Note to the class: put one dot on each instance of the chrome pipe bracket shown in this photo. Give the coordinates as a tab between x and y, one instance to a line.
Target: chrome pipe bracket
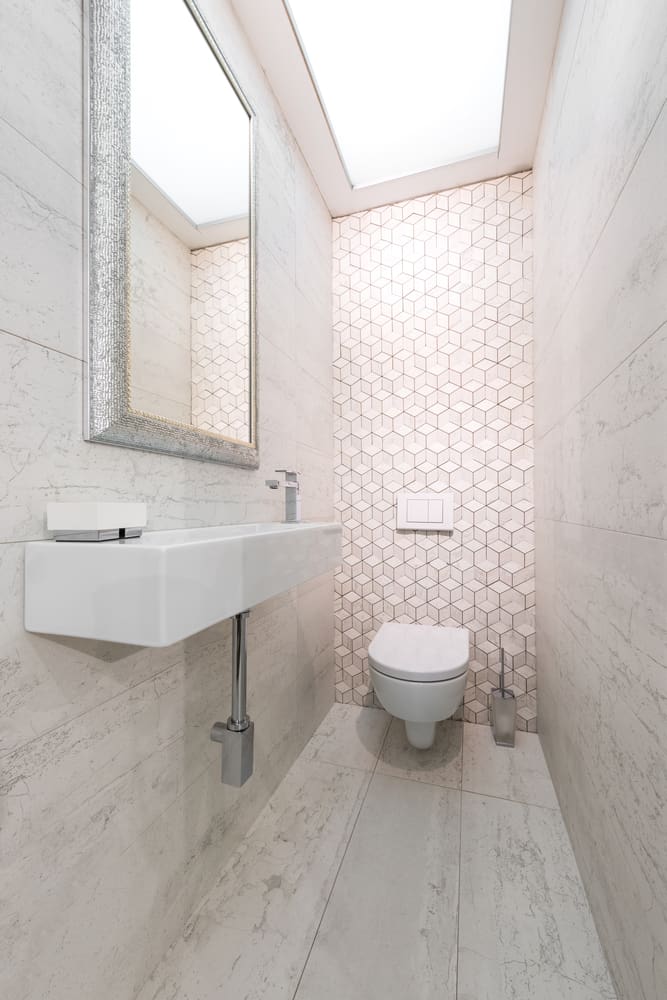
238	725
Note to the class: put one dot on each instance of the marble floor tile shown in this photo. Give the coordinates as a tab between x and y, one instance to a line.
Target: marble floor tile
525	931
441	765
350	736
389	931
356	884
251	936
519	773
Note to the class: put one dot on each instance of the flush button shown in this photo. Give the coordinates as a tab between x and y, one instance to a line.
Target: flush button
418	510
425	512
435	511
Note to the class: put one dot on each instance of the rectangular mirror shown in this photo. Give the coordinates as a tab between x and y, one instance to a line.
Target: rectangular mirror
171	346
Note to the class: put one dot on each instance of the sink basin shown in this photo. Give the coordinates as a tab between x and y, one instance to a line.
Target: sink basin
167	585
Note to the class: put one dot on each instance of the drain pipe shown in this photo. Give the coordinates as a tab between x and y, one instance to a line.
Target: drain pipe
237	734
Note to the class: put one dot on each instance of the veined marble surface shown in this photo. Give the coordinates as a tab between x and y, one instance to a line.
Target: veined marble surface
389	929
587	149
517	773
349	737
440	765
114	821
601	468
525	928
365	885
250	938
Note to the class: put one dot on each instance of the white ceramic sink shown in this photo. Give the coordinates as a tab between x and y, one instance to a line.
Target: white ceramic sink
167	585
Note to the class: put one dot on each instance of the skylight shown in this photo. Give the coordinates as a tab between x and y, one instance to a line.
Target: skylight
190	132
406	86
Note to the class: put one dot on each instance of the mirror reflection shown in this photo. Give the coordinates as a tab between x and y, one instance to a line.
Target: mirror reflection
190	300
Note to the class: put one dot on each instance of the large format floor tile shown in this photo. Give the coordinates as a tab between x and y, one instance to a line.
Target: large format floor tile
389	931
518	773
525	929
251	937
349	736
371	875
441	765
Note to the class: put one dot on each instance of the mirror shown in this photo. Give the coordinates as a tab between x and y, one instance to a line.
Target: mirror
171	347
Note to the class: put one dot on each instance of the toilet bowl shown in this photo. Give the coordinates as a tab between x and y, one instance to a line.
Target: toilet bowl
419	675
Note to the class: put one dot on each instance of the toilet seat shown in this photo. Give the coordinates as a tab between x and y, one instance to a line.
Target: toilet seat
420	652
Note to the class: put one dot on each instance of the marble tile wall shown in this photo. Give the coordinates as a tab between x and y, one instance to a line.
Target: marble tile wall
601	468
433	390
220	351
161	341
113	820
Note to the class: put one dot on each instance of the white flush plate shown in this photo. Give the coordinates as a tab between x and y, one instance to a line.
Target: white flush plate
425	512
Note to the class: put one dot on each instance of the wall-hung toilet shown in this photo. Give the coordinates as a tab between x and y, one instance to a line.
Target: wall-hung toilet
419	675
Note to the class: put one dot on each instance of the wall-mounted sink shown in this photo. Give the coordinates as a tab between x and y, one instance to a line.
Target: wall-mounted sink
167	585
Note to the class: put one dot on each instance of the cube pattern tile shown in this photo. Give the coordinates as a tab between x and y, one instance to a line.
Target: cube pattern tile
220	353
433	390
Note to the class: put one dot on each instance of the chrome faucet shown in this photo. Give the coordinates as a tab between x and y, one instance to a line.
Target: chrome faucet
292	494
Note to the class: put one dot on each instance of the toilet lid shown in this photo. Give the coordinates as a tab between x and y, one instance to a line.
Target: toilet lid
420	652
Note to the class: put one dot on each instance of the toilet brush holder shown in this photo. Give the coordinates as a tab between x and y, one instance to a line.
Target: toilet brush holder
503	717
503	710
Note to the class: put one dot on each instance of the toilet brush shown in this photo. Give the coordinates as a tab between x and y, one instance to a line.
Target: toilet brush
503	710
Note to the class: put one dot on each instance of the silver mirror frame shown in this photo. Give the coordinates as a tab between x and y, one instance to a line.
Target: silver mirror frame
108	414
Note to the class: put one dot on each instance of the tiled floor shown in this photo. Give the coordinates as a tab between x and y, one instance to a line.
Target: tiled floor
378	872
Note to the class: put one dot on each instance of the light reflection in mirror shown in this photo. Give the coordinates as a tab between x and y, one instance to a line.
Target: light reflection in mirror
190	260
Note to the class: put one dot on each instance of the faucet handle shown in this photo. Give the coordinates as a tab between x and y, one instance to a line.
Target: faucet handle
288	474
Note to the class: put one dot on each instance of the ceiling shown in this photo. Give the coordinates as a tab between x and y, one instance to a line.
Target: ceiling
532	40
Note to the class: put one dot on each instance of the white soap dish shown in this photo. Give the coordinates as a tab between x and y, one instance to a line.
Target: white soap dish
95	521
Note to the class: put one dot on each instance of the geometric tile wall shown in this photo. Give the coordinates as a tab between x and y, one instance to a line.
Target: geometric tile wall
220	354
433	389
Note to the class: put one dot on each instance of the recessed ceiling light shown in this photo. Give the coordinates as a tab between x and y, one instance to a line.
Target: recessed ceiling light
406	86
190	132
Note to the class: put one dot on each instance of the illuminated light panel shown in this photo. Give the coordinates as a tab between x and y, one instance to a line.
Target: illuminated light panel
406	86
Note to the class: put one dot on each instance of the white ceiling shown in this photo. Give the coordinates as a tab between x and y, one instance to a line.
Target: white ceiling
533	33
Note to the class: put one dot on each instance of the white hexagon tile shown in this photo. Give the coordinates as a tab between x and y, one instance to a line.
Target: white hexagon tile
220	308
433	389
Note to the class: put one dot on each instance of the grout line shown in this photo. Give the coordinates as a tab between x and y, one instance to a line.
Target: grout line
575	50
337	764
599	527
605	952
516	802
41	151
580	402
551	78
458	900
44	347
342	862
417	781
6	753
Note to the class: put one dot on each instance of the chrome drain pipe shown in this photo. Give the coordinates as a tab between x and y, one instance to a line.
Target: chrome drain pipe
238	721
237	734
